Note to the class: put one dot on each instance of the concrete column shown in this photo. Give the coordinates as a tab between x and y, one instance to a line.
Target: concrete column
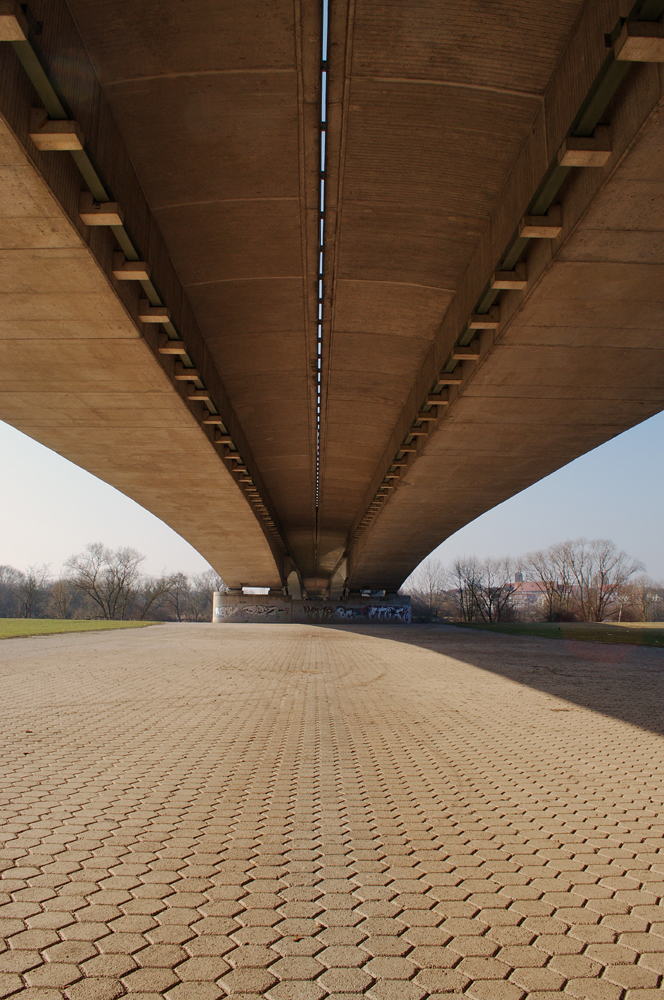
235	606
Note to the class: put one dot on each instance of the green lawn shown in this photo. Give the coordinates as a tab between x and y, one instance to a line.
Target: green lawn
632	633
11	628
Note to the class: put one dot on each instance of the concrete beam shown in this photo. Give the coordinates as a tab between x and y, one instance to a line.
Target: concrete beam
76	375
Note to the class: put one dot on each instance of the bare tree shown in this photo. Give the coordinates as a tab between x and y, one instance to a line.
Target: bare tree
10	579
467	581
600	571
642	600
428	587
200	595
178	597
494	588
153	594
31	589
210	580
60	599
552	569
109	578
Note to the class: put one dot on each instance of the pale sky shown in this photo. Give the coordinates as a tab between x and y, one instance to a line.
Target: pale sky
49	509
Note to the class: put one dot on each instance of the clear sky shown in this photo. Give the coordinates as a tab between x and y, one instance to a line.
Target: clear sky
50	509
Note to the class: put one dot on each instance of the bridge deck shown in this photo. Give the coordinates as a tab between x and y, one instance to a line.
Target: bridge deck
339	406
298	812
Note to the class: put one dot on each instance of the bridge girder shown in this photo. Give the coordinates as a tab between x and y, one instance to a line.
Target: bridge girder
468	344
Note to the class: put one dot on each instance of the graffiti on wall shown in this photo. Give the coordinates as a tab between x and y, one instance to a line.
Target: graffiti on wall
316	611
363	612
250	612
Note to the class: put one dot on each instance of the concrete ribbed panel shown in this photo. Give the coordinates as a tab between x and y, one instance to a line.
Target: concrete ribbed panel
76	375
439	100
217	105
580	360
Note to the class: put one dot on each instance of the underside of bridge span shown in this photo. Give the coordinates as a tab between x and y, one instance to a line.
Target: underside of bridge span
318	285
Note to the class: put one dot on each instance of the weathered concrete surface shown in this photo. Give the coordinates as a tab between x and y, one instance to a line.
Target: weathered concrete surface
76	375
302	813
443	118
580	358
234	607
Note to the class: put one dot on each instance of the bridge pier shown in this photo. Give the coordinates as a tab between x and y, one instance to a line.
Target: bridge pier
234	606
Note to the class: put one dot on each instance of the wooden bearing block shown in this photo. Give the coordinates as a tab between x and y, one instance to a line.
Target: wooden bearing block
182	374
172	347
485	321
586	151
129	270
438	400
50	135
450	378
148	313
542	227
510	280
13	22
470	352
640	41
96	213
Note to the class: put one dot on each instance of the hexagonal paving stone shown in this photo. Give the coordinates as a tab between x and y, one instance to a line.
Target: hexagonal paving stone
342	956
386	944
250	956
433	957
296	990
345	980
631	977
493	989
484	968
202	969
247	980
151	980
395	990
55	975
297	946
442	980
593	989
295	967
164	956
532	979
311	823
334	936
114	966
194	991
95	989
9	984
19	961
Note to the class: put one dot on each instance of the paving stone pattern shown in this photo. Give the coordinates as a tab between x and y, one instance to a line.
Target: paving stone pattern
301	813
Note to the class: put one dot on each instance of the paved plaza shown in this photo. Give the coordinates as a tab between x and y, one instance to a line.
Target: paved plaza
195	811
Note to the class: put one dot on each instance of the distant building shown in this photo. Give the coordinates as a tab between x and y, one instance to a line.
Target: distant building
527	594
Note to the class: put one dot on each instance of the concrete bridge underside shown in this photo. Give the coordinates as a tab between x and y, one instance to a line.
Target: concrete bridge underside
445	123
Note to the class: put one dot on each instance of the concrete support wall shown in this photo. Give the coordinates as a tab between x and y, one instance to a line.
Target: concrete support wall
230	607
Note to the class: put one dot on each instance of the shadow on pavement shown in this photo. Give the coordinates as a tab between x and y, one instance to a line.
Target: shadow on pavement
623	681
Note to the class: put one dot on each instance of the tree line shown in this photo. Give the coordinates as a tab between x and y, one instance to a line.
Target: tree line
104	583
579	580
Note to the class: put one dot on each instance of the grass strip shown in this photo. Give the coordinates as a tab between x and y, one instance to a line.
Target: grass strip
627	633
16	628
